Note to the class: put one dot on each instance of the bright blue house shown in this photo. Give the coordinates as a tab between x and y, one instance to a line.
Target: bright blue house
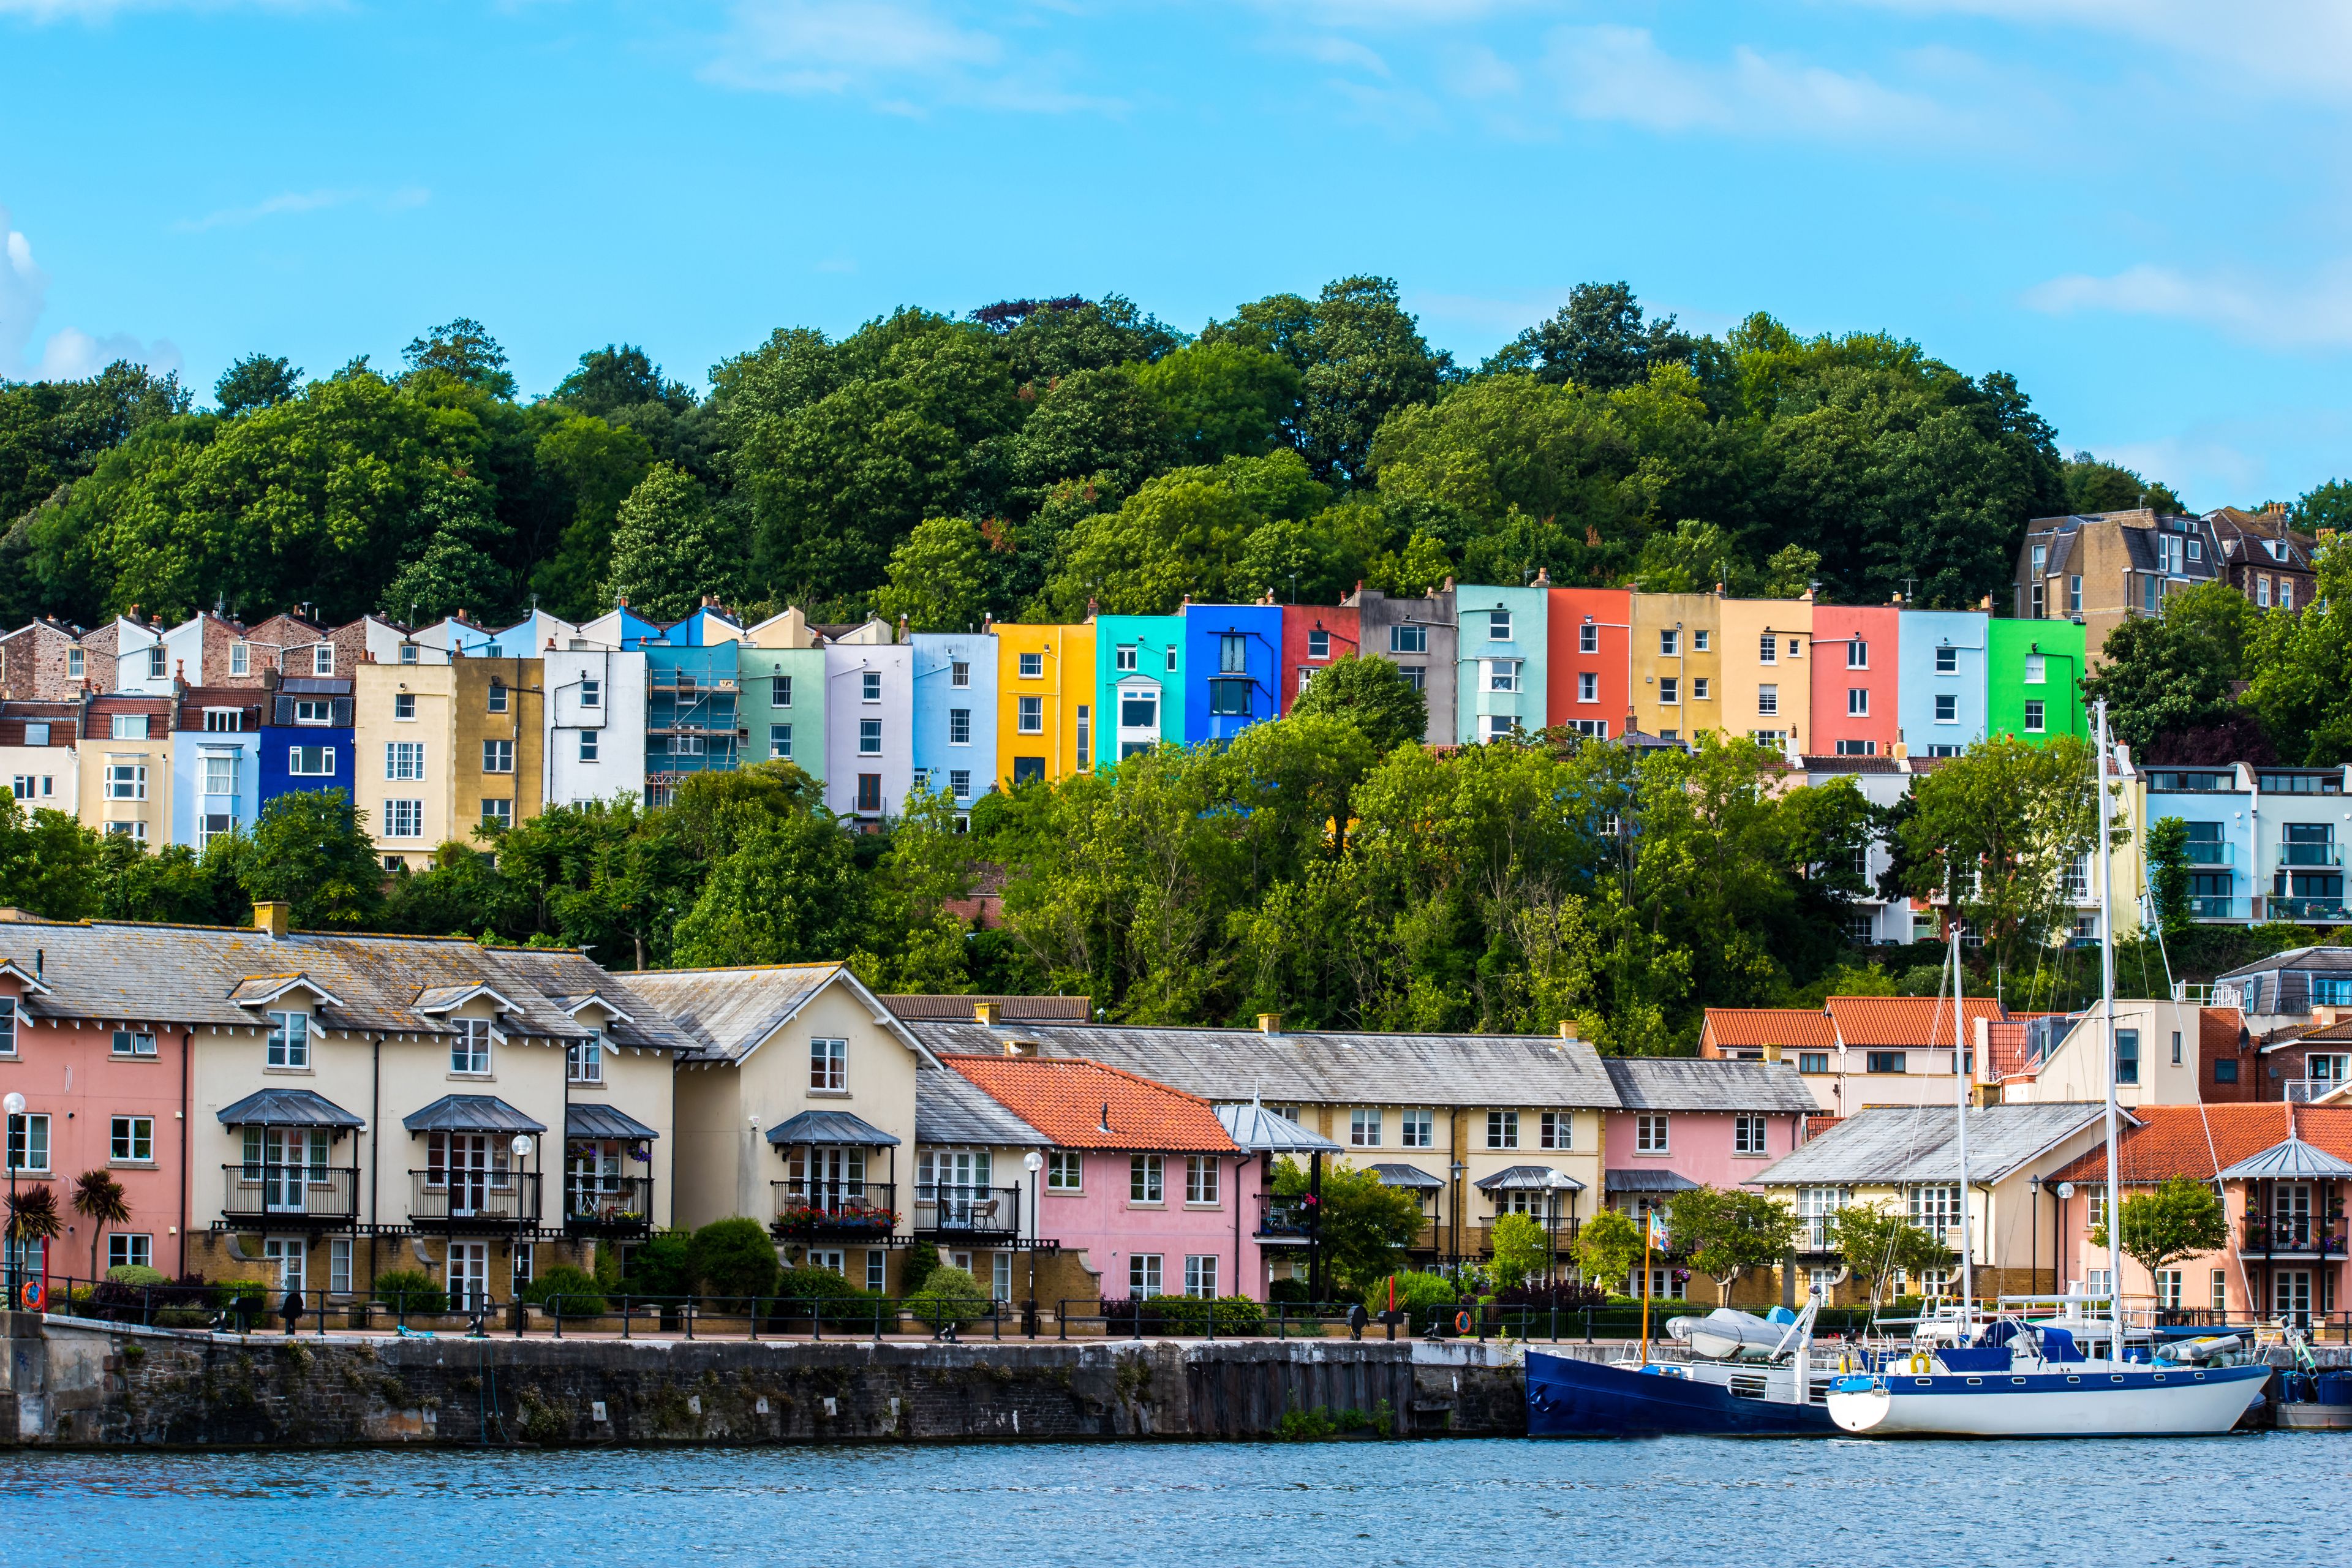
1233	668
306	738
955	712
1941	690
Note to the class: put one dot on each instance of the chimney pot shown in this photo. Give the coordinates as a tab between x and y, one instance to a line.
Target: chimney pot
274	917
1772	1053
1566	1030
984	1013
1269	1022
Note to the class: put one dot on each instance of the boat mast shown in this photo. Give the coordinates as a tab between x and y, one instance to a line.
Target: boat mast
2107	1006
1960	1076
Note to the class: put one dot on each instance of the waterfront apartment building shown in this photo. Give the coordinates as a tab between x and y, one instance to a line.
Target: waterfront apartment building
1047	702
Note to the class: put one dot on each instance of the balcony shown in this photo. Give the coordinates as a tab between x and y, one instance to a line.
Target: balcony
296	1194
1285	1219
453	1199
2304	1090
2299	1235
2218	907
2212	852
835	1208
2311	854
974	1217
608	1205
2328	910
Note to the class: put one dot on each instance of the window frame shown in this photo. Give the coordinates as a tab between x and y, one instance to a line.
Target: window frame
1065	1171
1147	1179
828	1060
287	1048
126	1135
1653	1132
1364	1128
1502	1130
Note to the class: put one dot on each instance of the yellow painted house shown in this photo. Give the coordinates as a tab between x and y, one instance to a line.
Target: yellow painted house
1677	664
1046	725
443	749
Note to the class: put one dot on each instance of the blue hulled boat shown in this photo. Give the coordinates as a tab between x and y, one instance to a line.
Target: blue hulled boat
1741	1377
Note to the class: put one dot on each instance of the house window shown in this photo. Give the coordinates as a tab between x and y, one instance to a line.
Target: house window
1408	637
220	772
1498	626
1364	1128
869	686
1813	1061
1947	710
1768	650
2127	1056
1698	688
2037	670
870	737
404	705
1147	1176
2220	1290
224	720
1143	1275
1502	1130
1588	639
313	712
289	1040
1200	1178
1857	654
584	1059
780	742
1502	675
7	1026
127	1250
2225	1072
134	831
1418	1130
1200	1275
133	1043
73	663
1670	644
869	792
1885	1061
1559	1130
1650	1132
1935	1209
959	726
132	1140
592	693
1229	698
780	691
1233	654
1034	664
959	783
2075	595
408	653
158	663
2286	592
1318	643
322	659
29	1142
2033	719
497	814
1748	1132
875	1262
1138	709
1857	702
497	695
1062	1168
829	1066
1768	698
403	820
959	673
469	1047
498	756
1669	692
1415	676
1500	726
404	759
588	745
127	727
1588	687
1029	715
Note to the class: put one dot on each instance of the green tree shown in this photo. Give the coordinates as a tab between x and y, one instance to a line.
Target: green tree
584	470
938	577
458	565
1597	340
311	849
2178	1219
1725	1232
49	862
98	1198
1608	1249
1522	1249
788	893
618	378
2294	669
1222	399
2167	673
256	381
1877	1241
463	893
670	548
463	350
1184	533
2094	486
1092	422
1371	695
918	945
734	1259
1365	1225
2325	506
2168	873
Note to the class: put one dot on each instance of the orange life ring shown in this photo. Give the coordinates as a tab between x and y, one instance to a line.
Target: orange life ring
1462	1322
36	1296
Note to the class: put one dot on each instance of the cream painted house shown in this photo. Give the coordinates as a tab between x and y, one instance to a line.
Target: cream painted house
403	737
2061	1057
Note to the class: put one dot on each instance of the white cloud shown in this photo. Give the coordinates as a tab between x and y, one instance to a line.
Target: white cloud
106	10
287	202
72	355
903	56
69	354
1618	73
2305	43
2313	314
23	289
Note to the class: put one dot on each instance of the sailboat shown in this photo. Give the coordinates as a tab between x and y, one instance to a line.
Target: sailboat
2018	1378
1737	1375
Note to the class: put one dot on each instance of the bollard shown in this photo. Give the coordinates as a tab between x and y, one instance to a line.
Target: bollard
624	1317
1588	1325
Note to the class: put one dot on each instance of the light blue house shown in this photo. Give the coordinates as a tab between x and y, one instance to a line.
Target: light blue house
954	677
2300	822
1232	659
215	764
1940	698
1499	671
2219	806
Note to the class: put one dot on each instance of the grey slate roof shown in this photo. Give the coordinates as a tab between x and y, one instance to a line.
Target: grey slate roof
1234	1066
1688	1083
951	1109
472	1114
1525	1178
592	1119
569	978
830	1129
727	1012
2330	959
2293	1160
288	1107
130	970
1918	1144
1260	1131
1650	1180
1401	1175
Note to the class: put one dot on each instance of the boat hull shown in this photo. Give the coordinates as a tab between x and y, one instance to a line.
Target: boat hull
2138	1402
1571	1398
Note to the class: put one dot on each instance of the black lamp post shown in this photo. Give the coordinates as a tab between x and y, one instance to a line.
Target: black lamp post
14	1105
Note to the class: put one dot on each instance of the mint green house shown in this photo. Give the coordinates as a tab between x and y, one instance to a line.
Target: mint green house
782	671
2034	673
1138	684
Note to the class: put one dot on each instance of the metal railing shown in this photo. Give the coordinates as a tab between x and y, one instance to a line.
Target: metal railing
327	1194
455	1199
608	1205
1291	1217
822	1207
966	1213
2294	1234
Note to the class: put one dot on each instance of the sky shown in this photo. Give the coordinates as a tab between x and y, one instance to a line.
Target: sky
2136	206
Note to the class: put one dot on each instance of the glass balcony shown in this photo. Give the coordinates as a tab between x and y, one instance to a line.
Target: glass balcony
2330	909
2218	909
2212	852
2311	854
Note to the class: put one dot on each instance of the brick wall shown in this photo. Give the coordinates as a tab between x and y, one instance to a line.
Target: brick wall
33	664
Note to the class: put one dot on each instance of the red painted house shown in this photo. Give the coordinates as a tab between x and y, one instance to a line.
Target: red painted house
1590	669
1854	680
1312	637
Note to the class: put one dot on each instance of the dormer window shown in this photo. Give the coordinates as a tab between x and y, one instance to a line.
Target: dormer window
289	1040
469	1045
586	1064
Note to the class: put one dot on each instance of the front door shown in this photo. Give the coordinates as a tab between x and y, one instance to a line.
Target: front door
466	1164
288	1253
469	1273
2291	1294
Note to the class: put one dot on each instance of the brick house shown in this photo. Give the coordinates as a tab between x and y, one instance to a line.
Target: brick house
37	662
2263	559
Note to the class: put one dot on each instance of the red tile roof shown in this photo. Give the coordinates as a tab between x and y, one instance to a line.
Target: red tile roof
1087	1105
1768	1026
1863	1021
2173	1140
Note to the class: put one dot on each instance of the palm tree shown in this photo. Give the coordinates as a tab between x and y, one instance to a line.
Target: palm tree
100	1198
33	1215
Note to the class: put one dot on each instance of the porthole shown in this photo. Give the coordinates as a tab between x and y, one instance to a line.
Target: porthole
2198	1376
2017	1381
2072	1378
1976	1383
2114	1377
1924	1381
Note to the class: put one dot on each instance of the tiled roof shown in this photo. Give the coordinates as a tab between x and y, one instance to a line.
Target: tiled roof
570	978
1890	1144
1769	1027
1012	1009
2186	1140
1865	1021
951	1109
727	1012
1232	1066
1686	1083
1071	1101
2330	959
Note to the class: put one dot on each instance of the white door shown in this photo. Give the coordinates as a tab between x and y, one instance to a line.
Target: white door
2291	1292
292	1157
287	1253
2291	1214
469	1274
468	1171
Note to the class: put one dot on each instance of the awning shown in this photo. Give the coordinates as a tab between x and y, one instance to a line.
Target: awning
2293	1160
604	1122
1648	1181
1526	1179
1405	1177
470	1114
1261	1130
288	1107
830	1129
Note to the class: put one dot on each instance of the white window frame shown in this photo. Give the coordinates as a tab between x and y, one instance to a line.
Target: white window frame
1143	1275
1364	1127
1502	1130
1065	1171
1200	1275
404	818
1417	1129
828	1065
289	1041
1147	1179
1750	1132
1651	1132
1202	1182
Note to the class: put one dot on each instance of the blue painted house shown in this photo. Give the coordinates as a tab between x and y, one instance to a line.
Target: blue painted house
1504	645
955	677
693	690
306	738
2219	806
1233	668
1941	695
1139	691
215	762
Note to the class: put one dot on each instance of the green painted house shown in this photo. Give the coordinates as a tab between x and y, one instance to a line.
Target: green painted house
1138	684
782	671
2033	672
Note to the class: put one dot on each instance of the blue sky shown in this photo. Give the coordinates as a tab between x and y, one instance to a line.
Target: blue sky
2137	207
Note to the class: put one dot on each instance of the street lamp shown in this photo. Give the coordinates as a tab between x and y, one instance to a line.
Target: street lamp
15	1104
522	1147
1033	1162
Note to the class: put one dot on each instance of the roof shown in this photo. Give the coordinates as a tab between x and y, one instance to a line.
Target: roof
830	1129
1692	1083
1261	1130
1804	1026
1892	1144
592	1119
1401	1175
1087	1105
2201	1140
2293	1160
1237	1066
1865	1021
1012	1009
472	1114
288	1107
1527	1179
2328	959
728	1013
1652	1179
571	980
951	1109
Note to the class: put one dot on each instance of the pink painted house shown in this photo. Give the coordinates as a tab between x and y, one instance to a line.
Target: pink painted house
1854	680
1695	1122
1141	1181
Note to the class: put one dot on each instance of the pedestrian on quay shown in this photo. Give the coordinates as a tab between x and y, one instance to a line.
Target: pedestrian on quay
292	1309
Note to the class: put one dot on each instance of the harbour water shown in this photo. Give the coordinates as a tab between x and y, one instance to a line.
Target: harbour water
2240	1500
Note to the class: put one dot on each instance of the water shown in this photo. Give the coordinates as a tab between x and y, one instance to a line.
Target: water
2243	1499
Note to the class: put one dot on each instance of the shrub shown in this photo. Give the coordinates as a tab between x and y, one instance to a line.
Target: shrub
1233	1315
183	1318
1426	1297
137	1275
734	1259
1293	1291
411	1291
948	1295
663	1266
820	1292
575	1287
915	1266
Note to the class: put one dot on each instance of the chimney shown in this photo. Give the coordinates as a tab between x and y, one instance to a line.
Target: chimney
1103	1125
1021	1048
1269	1022
273	917
1566	1030
621	601
1772	1053
1543	577
1986	604
984	1013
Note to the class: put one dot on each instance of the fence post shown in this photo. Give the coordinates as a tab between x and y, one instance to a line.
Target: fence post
624	1315
555	1305
755	1318
877	1320
1137	1305
1588	1325
995	1318
1555	1319
1062	1320
816	1320
322	1314
688	1313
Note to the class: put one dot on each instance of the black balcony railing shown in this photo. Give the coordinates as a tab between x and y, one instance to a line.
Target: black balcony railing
304	1193
608	1205
842	1208
473	1200
1285	1218
2302	1233
953	1212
